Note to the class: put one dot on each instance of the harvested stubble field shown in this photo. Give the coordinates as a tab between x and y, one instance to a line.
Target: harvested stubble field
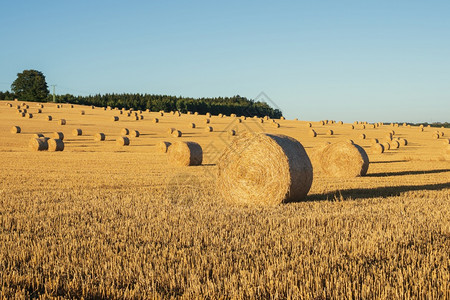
100	220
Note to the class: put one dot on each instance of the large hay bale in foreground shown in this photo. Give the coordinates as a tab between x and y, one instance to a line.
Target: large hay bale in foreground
264	169
15	129
99	137
123	141
343	159
163	146
55	145
77	132
185	154
38	144
58	135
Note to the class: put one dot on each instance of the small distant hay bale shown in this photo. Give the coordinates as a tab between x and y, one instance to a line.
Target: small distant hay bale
155	120
377	148
264	169
282	118
395	144
388	136
120	112
446	141
207	121
189	112
99	137
421	126
39	111
135	133
141	117
363	136
276	125
82	112
136	118
330	132
308	124
9	104
58	106
124	131
163	146
396	125
177	133
312	133
343	159
170	130
161	113
386	145
115	118
196	113
208	115
62	122
49	118
71	105
232	132
441	133
208	129
21	114
322	123
261	120
55	145
243	118
191	125
428	125
340	123
38	135
123	141
220	115
15	129
38	144
77	132
92	107
29	115
185	154
233	115
420	129
363	126
352	126
436	135
23	110
58	135
239	120
128	114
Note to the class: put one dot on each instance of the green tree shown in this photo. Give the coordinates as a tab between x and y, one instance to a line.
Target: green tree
30	85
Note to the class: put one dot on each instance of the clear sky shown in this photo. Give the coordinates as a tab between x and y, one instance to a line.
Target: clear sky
380	60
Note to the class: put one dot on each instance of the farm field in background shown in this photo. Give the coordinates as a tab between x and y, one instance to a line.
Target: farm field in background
100	220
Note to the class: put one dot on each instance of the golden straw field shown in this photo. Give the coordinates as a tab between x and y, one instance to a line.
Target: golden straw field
100	220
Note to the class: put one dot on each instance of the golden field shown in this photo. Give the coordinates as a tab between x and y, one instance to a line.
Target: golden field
100	220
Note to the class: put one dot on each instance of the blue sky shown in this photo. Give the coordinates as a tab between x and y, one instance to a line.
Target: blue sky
343	60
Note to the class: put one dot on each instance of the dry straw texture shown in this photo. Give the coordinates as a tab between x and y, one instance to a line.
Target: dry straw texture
55	145
15	129
395	145
264	169
77	132
377	148
343	159
163	146
123	141
58	135
38	144
100	136
185	154
403	142
124	131
386	145
38	135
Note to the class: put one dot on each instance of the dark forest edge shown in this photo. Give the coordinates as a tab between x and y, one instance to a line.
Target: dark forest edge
238	105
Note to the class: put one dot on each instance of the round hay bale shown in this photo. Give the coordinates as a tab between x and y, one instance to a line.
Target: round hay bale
264	169
9	104
374	141
220	115
343	159
403	142
377	148
312	133
441	133
208	115
388	136
395	144
120	112
261	120
436	135
22	114
62	122
38	144
322	123
363	126
141	117
135	133
239	120
420	129
124	131
352	127
170	130
243	118
29	115
330	132
282	118
176	133
15	129
38	135
232	132
191	125
99	137
115	118
185	154
49	118
163	146
82	112
189	112
155	120
386	145
77	132
58	135
196	113
161	113
71	105
446	141
276	125
363	136
309	125
207	121
55	145
123	141
341	123
208	129
39	111
58	106
23	110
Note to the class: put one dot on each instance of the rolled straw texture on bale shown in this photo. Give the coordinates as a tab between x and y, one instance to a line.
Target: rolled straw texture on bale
185	154
39	144
264	169
62	122
15	129
208	129
123	141
135	133
124	131
100	136
77	132
163	146
312	133
343	159
55	145
115	118
377	148
58	135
